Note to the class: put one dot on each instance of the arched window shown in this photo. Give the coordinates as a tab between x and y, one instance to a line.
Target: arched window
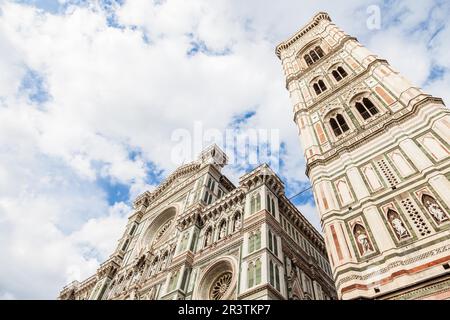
313	55
257	239
342	72
275	245
316	88
277	278
308	60
255	203
254	241
366	108
270	203
339	73
319	87
362	240
250	275
271	274
270	241
133	228
125	245
339	125
319	51
251	243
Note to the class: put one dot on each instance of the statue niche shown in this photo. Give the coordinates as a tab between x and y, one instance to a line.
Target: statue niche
397	225
434	209
362	240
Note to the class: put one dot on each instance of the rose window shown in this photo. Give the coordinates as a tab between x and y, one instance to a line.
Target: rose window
220	286
162	230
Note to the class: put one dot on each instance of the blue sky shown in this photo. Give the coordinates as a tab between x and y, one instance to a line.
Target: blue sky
91	93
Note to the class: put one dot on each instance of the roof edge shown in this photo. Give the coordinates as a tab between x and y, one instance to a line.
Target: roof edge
285	44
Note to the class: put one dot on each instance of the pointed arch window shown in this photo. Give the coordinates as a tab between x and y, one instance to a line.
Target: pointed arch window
125	245
254	241
270	203
319	87
313	55
257	272
339	73
250	275
255	203
366	108
133	228
271	275
208	237
339	125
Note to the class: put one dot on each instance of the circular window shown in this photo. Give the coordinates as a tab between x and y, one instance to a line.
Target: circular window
220	286
159	228
162	230
218	281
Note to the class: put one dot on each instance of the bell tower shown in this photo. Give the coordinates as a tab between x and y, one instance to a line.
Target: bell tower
377	154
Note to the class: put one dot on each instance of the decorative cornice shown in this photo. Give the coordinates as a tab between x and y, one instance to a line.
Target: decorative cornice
262	174
371	132
314	22
302	223
109	267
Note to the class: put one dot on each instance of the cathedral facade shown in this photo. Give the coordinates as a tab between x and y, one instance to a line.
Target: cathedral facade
198	236
377	154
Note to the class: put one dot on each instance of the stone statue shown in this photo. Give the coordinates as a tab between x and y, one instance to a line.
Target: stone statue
399	228
237	222
364	242
223	230
208	239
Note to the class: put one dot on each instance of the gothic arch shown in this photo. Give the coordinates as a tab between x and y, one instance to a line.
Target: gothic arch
434	208
309	45
337	115
332	112
357	95
362	239
159	229
237	221
397	225
222	232
365	106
